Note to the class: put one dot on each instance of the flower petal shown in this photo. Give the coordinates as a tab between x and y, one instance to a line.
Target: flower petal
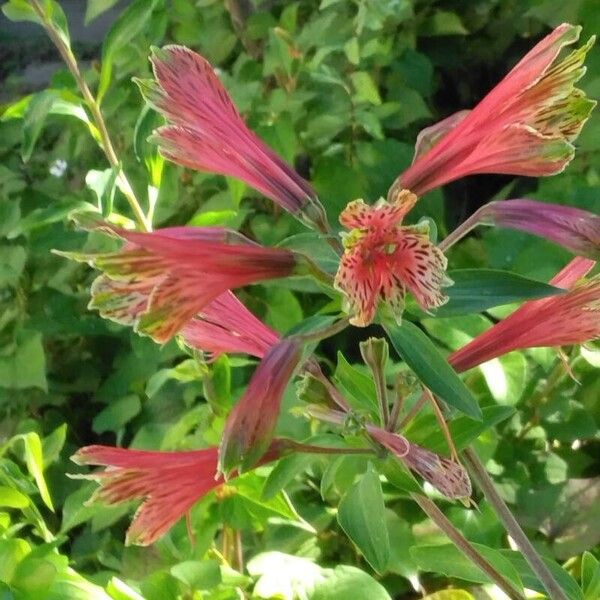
356	280
421	266
250	425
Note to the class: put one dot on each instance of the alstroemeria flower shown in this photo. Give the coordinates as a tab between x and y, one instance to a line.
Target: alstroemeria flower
448	477
223	326
160	281
169	483
383	259
575	229
524	126
250	425
569	318
206	132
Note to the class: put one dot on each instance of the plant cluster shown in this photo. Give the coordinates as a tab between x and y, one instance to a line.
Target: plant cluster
261	461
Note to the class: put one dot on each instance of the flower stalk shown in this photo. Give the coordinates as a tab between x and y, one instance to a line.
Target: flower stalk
91	102
459	540
511	525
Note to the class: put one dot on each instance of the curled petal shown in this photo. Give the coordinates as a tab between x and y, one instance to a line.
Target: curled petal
226	325
206	132
575	229
384	214
159	281
421	266
169	483
361	291
524	126
250	425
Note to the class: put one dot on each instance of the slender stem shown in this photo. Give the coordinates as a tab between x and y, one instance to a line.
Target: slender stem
313	367
239	550
512	526
392	424
292	445
462	230
442	423
410	415
438	517
321	334
106	143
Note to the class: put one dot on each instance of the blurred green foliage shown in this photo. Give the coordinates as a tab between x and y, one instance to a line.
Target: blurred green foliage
339	88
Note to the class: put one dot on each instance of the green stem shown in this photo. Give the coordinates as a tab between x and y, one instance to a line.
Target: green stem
293	446
512	526
462	230
106	143
459	540
321	334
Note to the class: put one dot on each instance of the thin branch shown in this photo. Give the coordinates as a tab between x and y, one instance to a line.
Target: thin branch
512	526
106	143
461	542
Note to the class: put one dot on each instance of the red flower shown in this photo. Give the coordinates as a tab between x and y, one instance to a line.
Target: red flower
225	325
575	229
250	425
524	126
569	318
158	282
206	132
169	483
383	259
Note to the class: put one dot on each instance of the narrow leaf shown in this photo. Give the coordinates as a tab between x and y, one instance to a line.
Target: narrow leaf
363	502
421	355
35	465
475	290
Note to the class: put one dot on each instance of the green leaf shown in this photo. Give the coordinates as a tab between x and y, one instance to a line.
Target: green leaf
129	24
365	88
21	10
12	264
476	290
590	576
13	498
355	516
35	116
249	487
345	582
443	22
425	430
449	595
102	183
399	476
117	414
358	387
26	367
12	551
35	464
420	354
284	472
284	311
530	581
198	575
450	561
96	7
34	575
506	377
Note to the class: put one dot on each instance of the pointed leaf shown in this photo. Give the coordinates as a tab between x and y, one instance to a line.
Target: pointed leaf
421	355
450	561
475	290
356	514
